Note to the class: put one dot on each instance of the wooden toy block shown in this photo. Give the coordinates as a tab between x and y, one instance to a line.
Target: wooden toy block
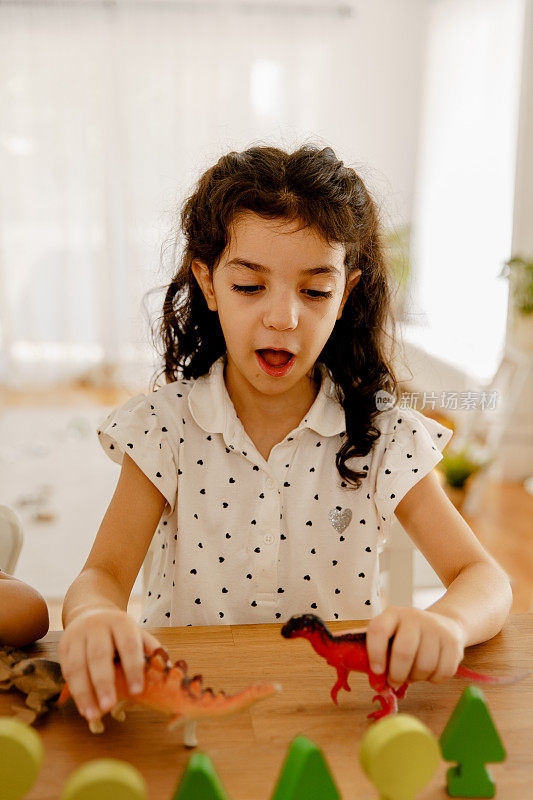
200	781
305	774
400	755
471	739
21	756
105	779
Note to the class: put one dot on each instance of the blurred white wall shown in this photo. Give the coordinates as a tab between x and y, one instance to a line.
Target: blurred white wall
463	214
110	114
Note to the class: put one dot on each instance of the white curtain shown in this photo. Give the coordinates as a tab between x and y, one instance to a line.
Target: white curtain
109	113
463	212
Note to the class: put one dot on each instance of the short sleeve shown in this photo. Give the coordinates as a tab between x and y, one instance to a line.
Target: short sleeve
414	446
136	428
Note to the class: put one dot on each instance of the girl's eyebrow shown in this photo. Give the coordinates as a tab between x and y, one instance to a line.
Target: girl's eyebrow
239	263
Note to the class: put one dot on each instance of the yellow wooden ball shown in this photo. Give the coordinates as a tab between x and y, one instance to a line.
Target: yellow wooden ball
21	756
105	779
400	755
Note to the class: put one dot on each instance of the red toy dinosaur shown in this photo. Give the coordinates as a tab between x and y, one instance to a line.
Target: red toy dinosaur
168	688
347	652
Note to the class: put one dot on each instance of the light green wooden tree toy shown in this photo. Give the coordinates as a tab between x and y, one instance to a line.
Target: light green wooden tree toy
105	779
471	739
400	755
305	774
21	756
200	781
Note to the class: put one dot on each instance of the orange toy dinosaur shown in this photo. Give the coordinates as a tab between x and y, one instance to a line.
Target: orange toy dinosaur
168	688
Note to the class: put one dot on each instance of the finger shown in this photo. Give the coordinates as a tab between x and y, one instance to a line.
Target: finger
129	643
403	653
76	674
100	656
427	659
350	630
379	631
150	643
447	665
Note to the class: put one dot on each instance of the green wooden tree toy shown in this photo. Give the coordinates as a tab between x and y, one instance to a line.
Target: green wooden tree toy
200	781
471	739
305	774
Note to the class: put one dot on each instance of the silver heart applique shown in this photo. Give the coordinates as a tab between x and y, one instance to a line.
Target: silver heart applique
340	519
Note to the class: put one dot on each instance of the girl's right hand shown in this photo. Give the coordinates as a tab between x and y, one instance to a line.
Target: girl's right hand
86	652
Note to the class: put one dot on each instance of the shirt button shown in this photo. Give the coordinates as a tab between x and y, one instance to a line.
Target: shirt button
270	483
268	539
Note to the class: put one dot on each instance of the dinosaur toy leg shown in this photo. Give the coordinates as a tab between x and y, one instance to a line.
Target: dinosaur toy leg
96	725
176	722
387	695
189	733
401	690
342	683
118	712
389	704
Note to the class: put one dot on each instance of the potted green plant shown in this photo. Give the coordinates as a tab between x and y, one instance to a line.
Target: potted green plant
458	466
519	271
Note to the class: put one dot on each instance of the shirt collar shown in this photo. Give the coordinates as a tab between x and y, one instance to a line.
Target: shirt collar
213	410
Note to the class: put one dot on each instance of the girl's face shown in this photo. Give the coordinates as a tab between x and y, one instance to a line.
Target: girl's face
281	308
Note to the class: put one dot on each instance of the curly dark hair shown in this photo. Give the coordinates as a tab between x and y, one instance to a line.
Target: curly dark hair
312	186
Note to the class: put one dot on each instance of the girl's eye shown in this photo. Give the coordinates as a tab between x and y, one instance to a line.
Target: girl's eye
251	290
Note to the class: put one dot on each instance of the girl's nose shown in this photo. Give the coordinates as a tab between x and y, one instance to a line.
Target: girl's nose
281	310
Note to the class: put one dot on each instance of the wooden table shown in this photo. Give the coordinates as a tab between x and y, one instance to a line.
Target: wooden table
248	749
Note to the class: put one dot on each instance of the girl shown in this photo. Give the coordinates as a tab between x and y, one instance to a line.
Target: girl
270	484
23	612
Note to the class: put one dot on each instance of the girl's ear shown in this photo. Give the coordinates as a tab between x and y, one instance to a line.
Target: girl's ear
198	268
201	273
353	280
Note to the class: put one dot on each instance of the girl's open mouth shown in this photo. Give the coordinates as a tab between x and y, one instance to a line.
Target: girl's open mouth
279	362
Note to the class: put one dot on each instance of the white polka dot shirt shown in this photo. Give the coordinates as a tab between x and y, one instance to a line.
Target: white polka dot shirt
244	540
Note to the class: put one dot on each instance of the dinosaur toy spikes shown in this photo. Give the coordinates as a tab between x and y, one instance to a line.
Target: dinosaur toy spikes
347	652
169	689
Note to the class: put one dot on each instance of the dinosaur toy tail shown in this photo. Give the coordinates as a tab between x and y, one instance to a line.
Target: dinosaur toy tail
464	672
212	704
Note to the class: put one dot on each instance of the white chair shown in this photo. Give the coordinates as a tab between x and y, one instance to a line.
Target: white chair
397	568
11	539
506	430
407	579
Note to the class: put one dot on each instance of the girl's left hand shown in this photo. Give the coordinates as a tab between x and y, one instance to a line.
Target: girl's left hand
427	646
